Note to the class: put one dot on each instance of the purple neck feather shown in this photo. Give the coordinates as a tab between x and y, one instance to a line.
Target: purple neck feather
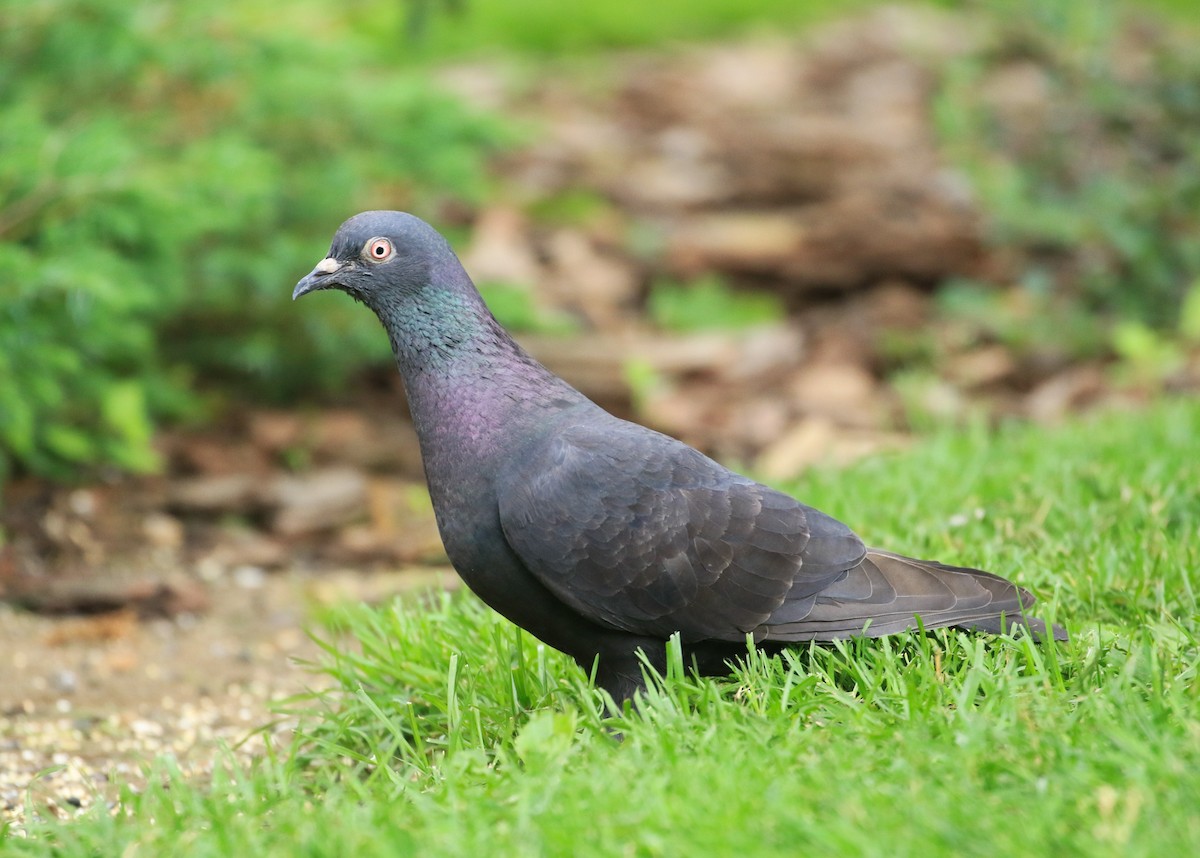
472	390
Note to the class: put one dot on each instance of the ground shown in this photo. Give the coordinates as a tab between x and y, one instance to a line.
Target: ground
88	702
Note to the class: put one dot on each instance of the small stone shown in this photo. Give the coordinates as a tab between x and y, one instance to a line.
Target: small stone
215	494
802	446
143	728
843	391
275	430
82	502
65	681
249	577
761	242
987	365
318	501
162	530
1068	391
210	569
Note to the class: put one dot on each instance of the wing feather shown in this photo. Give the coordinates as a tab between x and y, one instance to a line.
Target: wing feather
640	532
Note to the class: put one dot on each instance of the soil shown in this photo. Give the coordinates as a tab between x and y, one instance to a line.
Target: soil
90	702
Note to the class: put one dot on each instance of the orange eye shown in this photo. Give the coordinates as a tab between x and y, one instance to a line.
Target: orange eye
378	249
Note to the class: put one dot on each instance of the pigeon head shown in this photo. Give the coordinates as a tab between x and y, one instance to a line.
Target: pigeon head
378	257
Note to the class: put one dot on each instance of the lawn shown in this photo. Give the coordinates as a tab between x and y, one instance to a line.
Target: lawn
549	28
452	733
425	30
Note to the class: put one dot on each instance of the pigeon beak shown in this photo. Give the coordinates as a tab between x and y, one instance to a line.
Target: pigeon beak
319	278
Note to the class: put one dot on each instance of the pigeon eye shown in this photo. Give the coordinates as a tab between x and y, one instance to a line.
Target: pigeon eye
378	249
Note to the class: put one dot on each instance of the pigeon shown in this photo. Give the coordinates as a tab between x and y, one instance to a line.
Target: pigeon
604	538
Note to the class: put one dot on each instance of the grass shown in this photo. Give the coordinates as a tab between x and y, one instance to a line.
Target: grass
438	29
452	733
550	28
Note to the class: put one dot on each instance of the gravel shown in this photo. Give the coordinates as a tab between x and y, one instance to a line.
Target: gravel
88	705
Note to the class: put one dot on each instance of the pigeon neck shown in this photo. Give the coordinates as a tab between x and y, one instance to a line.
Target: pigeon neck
438	328
468	382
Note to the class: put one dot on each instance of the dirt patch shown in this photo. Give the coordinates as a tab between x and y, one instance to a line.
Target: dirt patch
89	702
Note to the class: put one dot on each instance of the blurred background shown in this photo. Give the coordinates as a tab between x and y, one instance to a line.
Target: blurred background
790	233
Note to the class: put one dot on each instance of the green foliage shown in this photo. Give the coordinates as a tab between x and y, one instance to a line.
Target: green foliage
1034	323
644	380
1105	197
448	732
548	27
516	310
1026	320
708	303
572	206
1175	12
1189	315
1145	353
166	172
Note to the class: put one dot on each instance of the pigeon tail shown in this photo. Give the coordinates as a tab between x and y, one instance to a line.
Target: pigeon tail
887	593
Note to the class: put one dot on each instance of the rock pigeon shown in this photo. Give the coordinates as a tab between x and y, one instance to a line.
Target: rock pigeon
602	537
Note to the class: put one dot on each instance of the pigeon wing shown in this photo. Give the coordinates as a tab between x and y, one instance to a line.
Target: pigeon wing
637	531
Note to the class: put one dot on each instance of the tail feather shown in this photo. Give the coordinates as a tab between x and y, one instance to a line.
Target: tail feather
886	593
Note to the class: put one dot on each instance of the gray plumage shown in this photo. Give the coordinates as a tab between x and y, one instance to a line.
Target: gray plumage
602	537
